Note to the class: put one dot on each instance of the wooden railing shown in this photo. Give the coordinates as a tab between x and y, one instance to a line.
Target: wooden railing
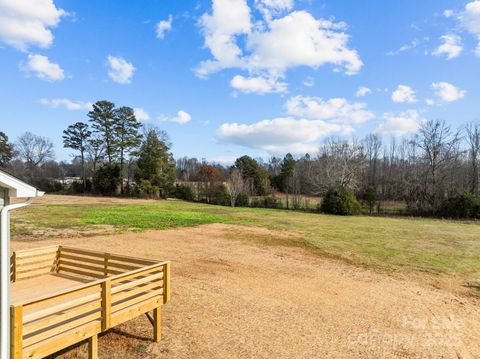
33	262
120	289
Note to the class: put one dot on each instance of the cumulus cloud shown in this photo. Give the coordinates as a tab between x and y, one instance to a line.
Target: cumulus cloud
403	94
271	8
120	70
363	91
229	19
309	120
260	85
448	92
181	117
28	22
163	26
141	114
279	135
42	68
451	46
335	110
67	104
470	20
400	124
236	39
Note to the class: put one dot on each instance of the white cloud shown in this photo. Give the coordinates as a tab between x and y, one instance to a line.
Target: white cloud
224	160
299	39
335	110
42	68
413	44
141	114
271	8
448	13
229	19
400	124
403	93
309	82
181	117
259	85
470	20
277	4
448	92
363	91
28	22
280	135
163	26
68	104
451	47
271	46
430	102
120	70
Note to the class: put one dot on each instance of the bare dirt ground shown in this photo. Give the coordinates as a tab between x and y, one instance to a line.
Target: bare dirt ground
232	298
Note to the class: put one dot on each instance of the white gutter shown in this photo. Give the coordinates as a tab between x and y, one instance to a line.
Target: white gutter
5	278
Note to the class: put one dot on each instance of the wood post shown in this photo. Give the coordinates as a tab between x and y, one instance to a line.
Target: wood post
157	324
93	347
106	304
16	341
13	264
105	264
166	282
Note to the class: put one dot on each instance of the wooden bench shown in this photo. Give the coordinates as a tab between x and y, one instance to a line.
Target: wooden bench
63	295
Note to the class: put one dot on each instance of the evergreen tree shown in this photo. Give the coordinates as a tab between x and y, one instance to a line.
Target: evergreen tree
76	137
155	165
6	150
127	136
286	174
102	117
252	171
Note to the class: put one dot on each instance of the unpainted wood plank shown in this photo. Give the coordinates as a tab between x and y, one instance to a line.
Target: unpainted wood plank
93	347
166	281
129	313
106	304
157	324
16	340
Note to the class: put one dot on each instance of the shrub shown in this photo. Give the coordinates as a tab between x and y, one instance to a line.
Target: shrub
464	205
340	201
369	197
242	200
222	197
184	192
148	190
107	179
265	202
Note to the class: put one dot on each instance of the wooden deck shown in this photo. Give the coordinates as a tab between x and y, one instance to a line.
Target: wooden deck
28	289
64	295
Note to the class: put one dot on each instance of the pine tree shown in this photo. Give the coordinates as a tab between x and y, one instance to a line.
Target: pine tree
127	136
102	118
76	137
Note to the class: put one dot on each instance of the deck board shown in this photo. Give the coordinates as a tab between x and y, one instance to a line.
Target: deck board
32	288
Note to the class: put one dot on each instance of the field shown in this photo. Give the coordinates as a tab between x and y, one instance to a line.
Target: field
272	283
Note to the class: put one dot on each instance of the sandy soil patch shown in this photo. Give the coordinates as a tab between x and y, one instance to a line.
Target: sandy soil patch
237	299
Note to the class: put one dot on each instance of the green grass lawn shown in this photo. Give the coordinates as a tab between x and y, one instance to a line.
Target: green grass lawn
387	244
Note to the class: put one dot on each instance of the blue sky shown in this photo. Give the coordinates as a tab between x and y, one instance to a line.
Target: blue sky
233	77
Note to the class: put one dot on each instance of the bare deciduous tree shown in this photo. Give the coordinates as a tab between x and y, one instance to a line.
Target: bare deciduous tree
235	185
34	150
473	139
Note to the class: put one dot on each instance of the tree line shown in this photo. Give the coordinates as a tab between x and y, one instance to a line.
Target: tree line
434	172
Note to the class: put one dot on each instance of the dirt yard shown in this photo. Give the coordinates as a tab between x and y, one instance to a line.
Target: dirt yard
232	298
